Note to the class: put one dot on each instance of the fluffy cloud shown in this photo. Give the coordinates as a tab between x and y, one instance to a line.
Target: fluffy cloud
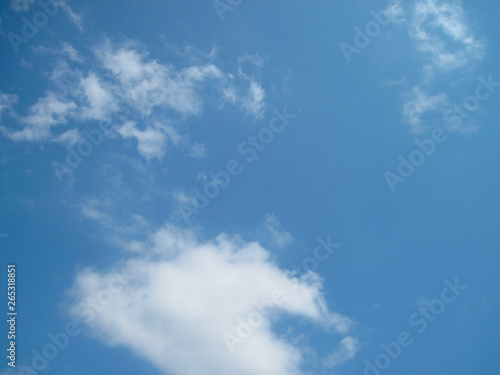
146	84
151	141
136	92
48	112
187	293
347	350
98	102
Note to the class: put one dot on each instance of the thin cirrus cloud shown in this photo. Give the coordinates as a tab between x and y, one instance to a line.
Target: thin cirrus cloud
445	43
66	50
275	232
127	87
19	6
192	292
420	104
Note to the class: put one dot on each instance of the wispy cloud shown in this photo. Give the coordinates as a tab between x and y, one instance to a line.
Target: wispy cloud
75	18
441	32
21	5
347	349
157	98
46	113
7	103
274	230
420	104
445	44
66	50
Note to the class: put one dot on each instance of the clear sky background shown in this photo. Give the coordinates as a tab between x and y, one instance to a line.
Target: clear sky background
318	107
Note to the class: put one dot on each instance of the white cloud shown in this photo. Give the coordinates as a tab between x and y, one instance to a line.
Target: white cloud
49	111
75	18
154	140
254	101
347	350
440	31
101	102
70	137
113	215
446	44
395	12
146	84
25	5
66	50
247	62
278	236
90	209
168	241
198	151
72	53
188	293
420	104
150	100
151	142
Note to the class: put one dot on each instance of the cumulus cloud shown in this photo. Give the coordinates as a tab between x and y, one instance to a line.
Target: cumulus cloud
99	101
188	293
151	142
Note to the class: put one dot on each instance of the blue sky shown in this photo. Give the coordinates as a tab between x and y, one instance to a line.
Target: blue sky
169	168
